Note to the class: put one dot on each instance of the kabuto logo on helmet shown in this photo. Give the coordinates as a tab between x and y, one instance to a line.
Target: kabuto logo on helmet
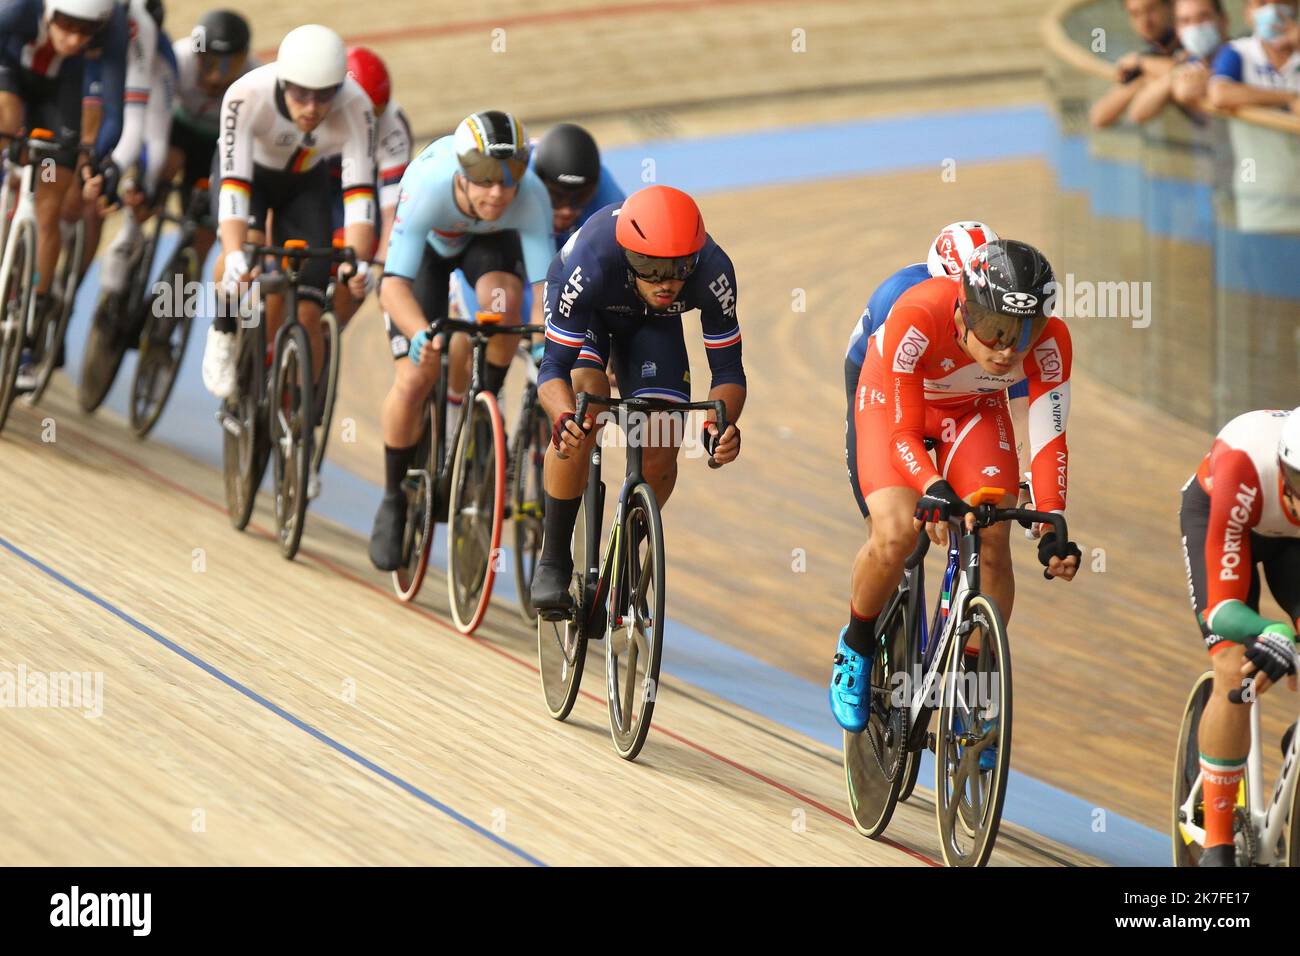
1020	301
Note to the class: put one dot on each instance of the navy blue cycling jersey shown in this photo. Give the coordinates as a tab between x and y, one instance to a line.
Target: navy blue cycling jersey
25	45
878	306
589	286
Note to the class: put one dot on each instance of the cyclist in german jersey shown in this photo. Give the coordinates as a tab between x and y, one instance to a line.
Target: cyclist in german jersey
467	201
281	124
947	257
56	58
939	369
1240	515
623	282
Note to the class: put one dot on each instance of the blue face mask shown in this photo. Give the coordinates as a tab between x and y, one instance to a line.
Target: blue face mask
1200	40
1270	20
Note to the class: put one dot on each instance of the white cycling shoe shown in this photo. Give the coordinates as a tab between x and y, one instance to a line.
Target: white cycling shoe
219	363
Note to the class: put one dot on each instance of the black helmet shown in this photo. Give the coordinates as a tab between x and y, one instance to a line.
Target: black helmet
223	32
155	9
568	161
1007	290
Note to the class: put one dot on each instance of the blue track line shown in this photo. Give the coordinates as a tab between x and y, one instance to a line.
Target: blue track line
272	707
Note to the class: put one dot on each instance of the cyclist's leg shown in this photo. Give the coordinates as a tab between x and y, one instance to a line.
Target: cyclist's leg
852	373
56	107
1223	736
981	454
494	265
302	211
651	362
192	154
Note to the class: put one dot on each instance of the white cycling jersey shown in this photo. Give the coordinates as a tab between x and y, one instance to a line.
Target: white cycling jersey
194	106
256	131
149	90
392	153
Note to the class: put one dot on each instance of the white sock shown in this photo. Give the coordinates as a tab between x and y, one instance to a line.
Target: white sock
113	274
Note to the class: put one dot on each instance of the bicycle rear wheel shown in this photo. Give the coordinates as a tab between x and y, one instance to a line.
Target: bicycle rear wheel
291	436
974	717
162	346
51	333
634	635
876	760
16	288
528	453
1187	829
329	325
475	512
562	645
244	445
106	345
417	537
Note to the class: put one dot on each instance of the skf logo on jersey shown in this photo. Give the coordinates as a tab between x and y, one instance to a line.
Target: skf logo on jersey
725	294
1048	357
572	289
910	350
1020	302
1235	531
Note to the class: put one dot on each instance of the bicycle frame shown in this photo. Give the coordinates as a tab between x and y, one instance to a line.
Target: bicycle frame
23	211
1266	821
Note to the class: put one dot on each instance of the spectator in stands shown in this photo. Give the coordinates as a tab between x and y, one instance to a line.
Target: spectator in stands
1202	28
1262	69
1153	21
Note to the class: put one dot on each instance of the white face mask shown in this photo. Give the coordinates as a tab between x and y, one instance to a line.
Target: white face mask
1200	39
1271	20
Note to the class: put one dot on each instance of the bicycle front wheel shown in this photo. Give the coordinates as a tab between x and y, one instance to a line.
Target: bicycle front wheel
634	629
162	346
1187	825
329	326
562	645
291	436
973	739
475	512
105	348
244	446
417	536
16	288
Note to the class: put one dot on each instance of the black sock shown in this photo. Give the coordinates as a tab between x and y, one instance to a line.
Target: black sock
861	635
561	515
396	462
494	376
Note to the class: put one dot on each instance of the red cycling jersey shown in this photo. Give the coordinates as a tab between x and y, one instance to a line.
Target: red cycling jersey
917	382
1242	478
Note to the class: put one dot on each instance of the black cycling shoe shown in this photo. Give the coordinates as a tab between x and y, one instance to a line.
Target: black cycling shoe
550	592
386	536
1225	854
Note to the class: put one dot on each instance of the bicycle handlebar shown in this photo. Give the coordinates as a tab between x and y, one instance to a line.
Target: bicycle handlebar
341	254
986	515
717	406
448	324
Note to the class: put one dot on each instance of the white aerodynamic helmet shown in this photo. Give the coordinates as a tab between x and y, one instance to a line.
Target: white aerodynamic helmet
99	10
1288	452
953	246
312	56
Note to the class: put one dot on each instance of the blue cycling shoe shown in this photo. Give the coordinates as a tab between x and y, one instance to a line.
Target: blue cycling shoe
989	755
850	689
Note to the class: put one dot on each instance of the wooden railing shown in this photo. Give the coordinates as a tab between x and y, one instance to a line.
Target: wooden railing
1063	48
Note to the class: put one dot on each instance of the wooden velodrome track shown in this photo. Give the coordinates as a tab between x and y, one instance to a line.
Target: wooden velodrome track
257	711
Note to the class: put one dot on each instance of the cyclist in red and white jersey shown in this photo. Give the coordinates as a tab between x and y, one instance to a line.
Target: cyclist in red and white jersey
1241	514
281	124
938	369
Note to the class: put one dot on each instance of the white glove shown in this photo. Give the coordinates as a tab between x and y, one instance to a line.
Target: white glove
236	268
363	270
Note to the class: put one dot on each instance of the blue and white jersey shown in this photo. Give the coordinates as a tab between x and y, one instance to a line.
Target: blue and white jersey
427	216
589	282
1246	61
878	306
607	192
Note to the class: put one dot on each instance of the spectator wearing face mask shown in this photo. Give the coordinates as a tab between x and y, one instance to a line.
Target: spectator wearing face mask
1202	28
1262	69
1152	20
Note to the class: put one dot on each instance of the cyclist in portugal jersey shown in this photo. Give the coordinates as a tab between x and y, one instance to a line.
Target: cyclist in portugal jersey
939	368
623	281
1241	514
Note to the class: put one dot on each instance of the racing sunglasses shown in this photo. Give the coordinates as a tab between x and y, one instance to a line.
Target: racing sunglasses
220	65
77	25
302	94
657	269
484	170
570	197
998	331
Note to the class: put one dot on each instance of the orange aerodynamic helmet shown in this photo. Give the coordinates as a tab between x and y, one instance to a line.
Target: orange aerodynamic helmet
661	232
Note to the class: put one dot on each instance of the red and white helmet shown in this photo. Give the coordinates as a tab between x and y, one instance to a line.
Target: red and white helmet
954	245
